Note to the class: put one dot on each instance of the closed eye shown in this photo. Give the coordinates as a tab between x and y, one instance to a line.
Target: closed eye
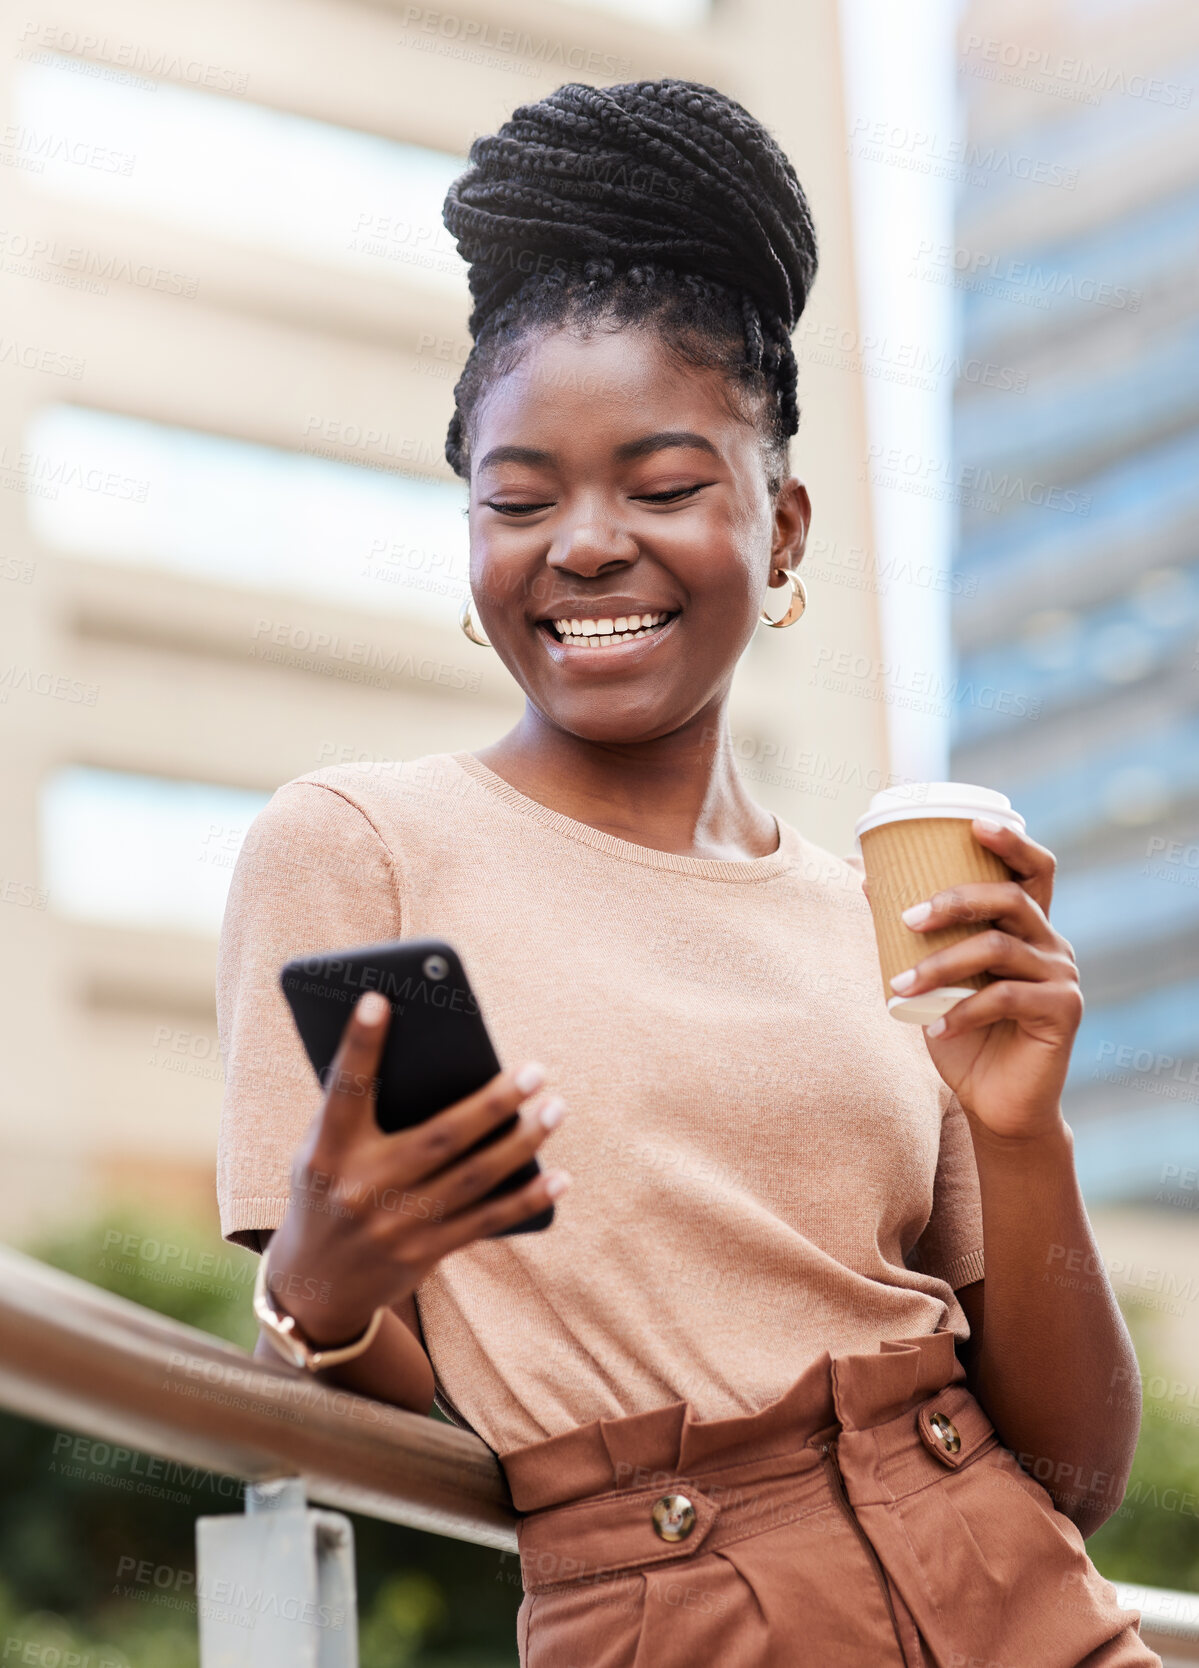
673	496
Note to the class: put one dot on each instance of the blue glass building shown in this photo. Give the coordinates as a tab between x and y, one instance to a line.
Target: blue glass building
1076	622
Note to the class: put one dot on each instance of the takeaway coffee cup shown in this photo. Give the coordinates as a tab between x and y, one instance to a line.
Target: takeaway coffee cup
917	840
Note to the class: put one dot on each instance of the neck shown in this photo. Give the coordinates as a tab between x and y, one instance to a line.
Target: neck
679	793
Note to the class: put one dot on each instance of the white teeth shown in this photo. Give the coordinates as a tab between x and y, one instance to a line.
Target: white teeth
597	634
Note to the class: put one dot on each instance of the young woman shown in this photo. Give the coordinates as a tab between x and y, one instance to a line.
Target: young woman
742	1387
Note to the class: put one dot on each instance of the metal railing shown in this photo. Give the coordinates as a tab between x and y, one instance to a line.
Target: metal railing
77	1356
98	1364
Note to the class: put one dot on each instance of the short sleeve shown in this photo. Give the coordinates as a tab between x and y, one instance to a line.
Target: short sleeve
312	875
951	1246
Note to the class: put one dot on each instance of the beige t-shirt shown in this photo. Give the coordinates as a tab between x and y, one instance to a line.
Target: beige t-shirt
765	1164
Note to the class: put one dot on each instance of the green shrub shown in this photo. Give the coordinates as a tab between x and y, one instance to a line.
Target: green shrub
1153	1536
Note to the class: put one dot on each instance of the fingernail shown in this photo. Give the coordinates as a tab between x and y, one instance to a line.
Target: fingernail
901	981
556	1182
989	825
935	1029
372	1008
552	1111
529	1077
917	913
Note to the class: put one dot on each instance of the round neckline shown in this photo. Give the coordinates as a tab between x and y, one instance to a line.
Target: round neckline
774	863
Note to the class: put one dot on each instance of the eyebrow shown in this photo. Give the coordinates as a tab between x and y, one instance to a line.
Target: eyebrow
645	447
662	442
515	454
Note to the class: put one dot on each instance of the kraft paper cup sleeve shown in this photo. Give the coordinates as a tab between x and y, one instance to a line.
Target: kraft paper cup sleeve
906	861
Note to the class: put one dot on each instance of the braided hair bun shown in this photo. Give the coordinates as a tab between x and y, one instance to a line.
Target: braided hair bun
652	200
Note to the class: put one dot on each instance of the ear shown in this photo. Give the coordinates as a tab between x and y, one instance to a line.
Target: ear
792	518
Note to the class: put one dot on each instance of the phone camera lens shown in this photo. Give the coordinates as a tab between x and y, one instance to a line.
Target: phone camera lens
435	967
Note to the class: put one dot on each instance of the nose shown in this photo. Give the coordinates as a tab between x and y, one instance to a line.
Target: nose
590	548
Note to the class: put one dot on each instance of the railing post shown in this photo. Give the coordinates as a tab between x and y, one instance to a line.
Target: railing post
275	1588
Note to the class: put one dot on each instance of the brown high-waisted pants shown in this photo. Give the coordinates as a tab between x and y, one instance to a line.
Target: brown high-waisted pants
869	1518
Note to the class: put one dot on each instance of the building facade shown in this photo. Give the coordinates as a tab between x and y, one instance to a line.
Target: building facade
1076	625
232	551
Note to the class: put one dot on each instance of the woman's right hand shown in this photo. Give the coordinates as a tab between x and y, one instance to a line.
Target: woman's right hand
371	1213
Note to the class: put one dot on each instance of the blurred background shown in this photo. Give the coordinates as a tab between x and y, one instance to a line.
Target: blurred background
231	552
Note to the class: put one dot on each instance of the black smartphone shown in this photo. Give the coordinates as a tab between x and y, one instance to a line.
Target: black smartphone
437	1050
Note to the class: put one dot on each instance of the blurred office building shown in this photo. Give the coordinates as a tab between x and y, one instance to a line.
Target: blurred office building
1076	615
231	551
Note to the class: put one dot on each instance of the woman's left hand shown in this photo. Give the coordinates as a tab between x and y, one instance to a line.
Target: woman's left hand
1005	1050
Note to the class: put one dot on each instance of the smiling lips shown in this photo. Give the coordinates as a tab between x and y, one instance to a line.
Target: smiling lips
603	634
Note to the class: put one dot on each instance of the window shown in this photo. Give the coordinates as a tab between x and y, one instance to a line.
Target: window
1125	903
667	14
236	171
1098	403
1149	489
141	851
1098	275
1065	655
1130	784
125	490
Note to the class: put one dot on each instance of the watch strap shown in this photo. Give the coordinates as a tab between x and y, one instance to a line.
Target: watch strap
285	1334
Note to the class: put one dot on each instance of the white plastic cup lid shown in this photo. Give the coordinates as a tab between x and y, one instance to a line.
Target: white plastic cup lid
937	799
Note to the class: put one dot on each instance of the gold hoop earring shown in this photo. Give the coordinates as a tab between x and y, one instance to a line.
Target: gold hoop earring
467	621
799	601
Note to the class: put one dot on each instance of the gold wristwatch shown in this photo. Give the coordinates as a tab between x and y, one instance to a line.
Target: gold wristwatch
284	1332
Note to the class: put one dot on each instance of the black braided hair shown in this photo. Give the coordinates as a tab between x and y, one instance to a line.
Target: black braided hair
652	202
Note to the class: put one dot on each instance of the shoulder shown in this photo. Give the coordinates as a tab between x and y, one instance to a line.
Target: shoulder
361	802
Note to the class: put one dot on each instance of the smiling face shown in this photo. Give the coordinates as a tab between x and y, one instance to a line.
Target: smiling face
622	533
